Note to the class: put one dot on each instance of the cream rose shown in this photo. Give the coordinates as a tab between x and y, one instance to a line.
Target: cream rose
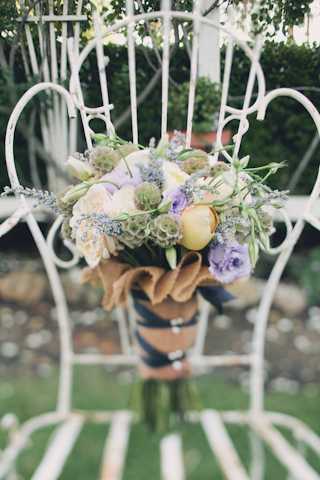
123	201
173	175
136	158
90	241
198	224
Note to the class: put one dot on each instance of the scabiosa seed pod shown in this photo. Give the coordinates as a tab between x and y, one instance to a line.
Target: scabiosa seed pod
135	230
104	159
194	164
218	169
147	196
165	230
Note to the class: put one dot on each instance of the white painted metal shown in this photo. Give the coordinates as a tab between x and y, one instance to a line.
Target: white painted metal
75	257
204	312
193	69
57	289
171	457
116	447
212	422
222	447
286	454
209	46
165	7
43	61
132	72
59	448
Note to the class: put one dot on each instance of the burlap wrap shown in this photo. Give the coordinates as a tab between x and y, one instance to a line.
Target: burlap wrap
171	295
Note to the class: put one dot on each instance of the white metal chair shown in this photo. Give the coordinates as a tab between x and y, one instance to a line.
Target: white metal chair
262	424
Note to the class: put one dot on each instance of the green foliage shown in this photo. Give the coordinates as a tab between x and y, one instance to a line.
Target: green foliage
8	16
269	16
287	130
206	105
283	136
280	15
306	270
117	8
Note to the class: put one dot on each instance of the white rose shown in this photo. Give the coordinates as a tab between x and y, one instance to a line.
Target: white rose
93	244
123	201
136	158
173	175
90	241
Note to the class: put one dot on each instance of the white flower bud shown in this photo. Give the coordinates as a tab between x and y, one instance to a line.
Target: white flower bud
79	169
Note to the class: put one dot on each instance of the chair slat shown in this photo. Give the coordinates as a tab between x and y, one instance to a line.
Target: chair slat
165	7
63	53
224	94
286	454
132	72
222	446
172	466
247	98
58	450
116	447
194	70
102	69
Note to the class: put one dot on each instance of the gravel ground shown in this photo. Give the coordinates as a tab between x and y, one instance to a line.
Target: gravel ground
29	333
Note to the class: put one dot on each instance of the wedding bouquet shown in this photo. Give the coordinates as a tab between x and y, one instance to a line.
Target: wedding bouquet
164	224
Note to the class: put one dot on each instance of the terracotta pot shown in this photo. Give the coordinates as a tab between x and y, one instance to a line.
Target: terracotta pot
203	140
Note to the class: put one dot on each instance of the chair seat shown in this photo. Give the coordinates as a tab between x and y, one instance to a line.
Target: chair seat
263	425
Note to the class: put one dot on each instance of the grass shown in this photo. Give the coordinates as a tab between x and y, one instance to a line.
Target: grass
95	389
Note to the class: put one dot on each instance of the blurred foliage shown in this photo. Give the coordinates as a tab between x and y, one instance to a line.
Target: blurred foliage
206	106
287	130
271	17
284	135
305	269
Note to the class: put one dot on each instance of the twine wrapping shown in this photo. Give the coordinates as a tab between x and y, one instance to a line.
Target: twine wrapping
119	279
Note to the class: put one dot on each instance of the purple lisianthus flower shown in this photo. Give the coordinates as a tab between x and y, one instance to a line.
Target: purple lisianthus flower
178	200
121	176
229	261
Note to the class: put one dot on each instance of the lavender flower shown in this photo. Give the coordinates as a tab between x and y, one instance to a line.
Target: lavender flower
41	197
178	200
229	262
152	172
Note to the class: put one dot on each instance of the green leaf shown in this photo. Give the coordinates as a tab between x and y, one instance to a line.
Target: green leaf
164	207
100	138
253	252
171	256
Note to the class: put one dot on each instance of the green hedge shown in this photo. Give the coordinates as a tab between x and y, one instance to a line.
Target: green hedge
284	135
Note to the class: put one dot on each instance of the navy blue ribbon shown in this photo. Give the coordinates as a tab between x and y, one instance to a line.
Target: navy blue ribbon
151	320
154	357
215	295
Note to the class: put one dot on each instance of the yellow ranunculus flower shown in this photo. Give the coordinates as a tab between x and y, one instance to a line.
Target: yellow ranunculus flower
198	223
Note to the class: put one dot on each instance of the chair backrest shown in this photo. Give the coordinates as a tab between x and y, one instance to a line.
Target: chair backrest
75	100
44	55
